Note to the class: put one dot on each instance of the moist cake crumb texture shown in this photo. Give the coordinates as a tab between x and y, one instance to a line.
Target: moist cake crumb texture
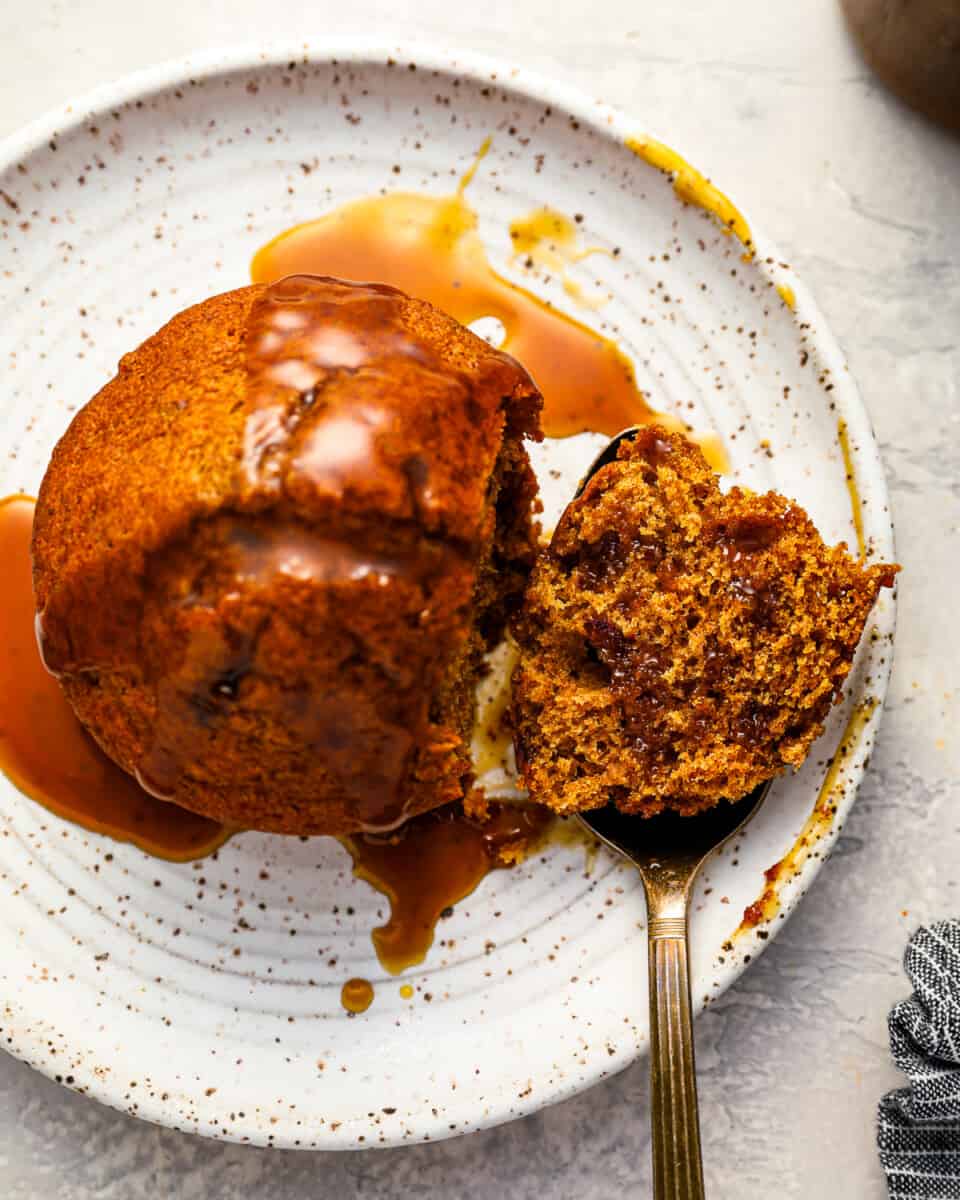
679	645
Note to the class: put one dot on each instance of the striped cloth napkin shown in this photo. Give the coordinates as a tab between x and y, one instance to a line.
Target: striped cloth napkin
918	1127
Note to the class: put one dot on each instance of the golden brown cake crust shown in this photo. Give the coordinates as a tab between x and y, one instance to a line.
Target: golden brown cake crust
259	586
679	645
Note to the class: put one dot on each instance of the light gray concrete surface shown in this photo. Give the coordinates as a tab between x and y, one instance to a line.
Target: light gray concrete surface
769	98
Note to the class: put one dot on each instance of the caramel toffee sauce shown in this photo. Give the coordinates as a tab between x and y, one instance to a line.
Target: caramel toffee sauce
434	861
43	748
429	247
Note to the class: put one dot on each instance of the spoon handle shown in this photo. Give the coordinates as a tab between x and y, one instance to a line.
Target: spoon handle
677	1165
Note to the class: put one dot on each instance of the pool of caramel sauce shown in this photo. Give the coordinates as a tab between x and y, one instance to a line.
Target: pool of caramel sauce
429	246
44	750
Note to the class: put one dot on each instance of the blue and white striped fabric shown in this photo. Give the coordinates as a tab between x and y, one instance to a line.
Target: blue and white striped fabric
919	1126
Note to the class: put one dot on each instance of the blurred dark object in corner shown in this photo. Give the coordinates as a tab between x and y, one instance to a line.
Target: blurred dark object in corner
914	46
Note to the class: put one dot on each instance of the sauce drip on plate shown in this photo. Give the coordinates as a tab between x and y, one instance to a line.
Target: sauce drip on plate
356	995
694	188
818	825
550	239
432	863
430	247
849	470
44	749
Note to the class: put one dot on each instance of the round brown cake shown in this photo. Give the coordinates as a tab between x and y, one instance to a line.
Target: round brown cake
679	645
269	554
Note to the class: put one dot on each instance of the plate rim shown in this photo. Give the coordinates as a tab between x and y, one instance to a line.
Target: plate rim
609	121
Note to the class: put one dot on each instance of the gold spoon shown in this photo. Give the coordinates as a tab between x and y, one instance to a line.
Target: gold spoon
668	850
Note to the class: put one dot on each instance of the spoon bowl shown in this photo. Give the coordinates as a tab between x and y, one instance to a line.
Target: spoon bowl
669	841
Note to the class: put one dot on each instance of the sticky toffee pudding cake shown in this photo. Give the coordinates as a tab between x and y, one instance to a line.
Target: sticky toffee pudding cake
270	554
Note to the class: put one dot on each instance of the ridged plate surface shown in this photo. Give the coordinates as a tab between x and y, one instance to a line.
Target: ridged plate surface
206	996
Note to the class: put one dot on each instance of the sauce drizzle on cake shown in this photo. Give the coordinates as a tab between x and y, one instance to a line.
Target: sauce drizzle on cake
430	246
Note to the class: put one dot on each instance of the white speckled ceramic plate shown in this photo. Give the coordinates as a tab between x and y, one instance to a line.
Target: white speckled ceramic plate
136	981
